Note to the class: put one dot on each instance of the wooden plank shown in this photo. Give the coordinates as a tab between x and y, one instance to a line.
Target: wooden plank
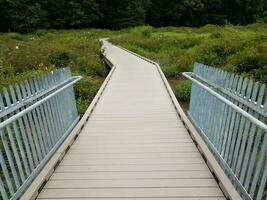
133	192
132	155
134	150
147	198
133	168
144	183
128	146
132	161
131	175
132	142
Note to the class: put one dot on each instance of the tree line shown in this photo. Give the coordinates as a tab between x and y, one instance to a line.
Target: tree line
29	15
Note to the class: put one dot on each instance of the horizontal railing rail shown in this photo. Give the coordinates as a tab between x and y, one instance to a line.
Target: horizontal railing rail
35	118
230	114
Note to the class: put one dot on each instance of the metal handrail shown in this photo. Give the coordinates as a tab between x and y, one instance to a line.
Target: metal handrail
234	95
71	81
260	124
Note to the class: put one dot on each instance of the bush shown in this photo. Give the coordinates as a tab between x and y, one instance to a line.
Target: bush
216	51
85	91
41	32
146	33
182	59
183	90
60	59
170	71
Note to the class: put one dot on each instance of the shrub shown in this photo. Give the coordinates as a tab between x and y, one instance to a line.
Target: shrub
16	36
183	90
60	59
146	33
91	66
182	59
41	32
216	51
85	91
170	71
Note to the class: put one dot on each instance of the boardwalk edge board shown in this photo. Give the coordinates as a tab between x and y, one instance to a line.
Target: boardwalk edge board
223	181
36	186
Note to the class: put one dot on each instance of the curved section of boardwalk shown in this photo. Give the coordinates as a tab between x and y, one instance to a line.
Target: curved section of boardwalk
134	145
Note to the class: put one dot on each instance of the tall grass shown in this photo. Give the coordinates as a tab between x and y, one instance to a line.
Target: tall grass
237	49
27	56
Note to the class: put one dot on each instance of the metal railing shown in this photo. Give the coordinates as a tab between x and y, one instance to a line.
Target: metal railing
230	112
35	118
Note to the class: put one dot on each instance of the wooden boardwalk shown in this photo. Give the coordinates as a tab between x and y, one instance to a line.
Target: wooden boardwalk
134	145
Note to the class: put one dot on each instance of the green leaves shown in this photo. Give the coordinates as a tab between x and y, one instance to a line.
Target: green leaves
28	15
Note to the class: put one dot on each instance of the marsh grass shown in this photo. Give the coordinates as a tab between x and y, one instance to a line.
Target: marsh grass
27	56
237	49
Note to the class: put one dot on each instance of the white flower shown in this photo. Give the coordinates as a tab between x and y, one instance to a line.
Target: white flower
17	47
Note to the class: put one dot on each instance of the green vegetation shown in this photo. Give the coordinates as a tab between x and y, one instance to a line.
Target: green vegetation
26	56
183	90
238	49
29	15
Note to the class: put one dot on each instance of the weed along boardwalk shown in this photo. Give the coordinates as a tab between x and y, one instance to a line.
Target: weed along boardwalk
134	144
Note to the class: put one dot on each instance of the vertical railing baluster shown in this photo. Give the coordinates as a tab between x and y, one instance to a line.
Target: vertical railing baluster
28	120
262	185
18	135
39	121
245	135
8	151
2	190
251	139
12	140
23	132
44	119
239	128
224	111
53	112
48	113
35	124
232	85
234	124
5	172
256	143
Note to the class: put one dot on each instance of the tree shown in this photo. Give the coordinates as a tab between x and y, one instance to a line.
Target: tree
29	15
3	16
176	13
26	15
121	14
56	13
83	13
243	12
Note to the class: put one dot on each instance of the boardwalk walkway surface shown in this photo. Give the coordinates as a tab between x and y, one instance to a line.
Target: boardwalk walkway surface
134	145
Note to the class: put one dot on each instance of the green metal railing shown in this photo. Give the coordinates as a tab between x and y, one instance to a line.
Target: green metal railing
230	113
35	118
